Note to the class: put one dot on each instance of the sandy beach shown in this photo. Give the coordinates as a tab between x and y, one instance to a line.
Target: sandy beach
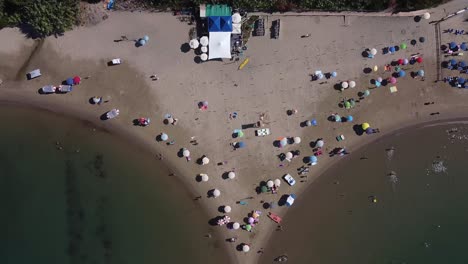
278	78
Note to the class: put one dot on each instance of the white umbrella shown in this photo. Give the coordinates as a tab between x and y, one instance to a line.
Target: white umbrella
236	225
236	18
289	155
227	209
204	49
164	137
277	182
344	85
427	15
96	100
245	248
194	43
204	57
297	140
204	177
373	51
319	143
205	160
216	193
186	153
204	41
270	183
170	120
231	175
352	84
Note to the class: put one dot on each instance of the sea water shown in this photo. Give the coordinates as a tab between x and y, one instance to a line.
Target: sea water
70	193
402	199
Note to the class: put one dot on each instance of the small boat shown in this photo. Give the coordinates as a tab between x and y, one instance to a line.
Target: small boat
274	217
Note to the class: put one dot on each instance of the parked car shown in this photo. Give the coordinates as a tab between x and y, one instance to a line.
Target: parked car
289	179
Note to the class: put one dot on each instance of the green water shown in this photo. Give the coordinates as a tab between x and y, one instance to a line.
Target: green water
98	200
420	217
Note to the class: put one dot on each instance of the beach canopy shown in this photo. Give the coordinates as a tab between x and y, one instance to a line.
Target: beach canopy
246	247
236	225
270	183
421	72
297	140
227	209
319	143
204	41
186	153
204	57
277	182
231	175
204	177
402	73
290	200
313	159
391	49
419	59
403	45
194	43
352	84
164	137
427	15
392	80
220	45
452	45
216	193
373	51
344	85
350	118
289	155
205	160
334	74
463	46
365	126
240	144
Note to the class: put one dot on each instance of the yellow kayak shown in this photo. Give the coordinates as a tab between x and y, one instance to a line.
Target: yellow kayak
242	65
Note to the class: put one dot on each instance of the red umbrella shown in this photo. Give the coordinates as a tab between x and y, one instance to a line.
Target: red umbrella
76	80
393	80
401	61
419	59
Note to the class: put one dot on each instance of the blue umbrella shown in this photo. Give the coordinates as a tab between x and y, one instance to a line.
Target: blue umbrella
462	64
240	144
452	45
350	118
333	74
69	81
392	49
463	46
320	76
453	62
313	159
461	80
146	38
377	84
402	73
421	72
314	122
142	42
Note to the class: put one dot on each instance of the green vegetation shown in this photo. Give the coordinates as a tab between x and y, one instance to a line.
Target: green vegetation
418	4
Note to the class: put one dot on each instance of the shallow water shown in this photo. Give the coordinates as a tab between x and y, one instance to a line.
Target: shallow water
419	179
98	200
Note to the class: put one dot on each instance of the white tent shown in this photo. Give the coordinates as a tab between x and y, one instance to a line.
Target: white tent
236	28
220	45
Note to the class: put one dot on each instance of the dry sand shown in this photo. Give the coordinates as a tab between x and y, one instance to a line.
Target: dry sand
276	79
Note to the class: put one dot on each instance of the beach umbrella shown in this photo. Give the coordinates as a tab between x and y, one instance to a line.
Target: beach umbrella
376	68
392	80
463	46
403	46
204	177
283	142
391	49
142	42
76	80
227	209
216	193
297	140
231	175
350	118
194	43
264	189
164	136
366	93
427	15
334	74
452	45
400	61
204	41
373	51
314	122
347	105
422	39
461	80
421	73
204	49
248	228
377	83
352	102
313	159
402	73
170	120
240	133
379	79
308	123
69	81
419	59
365	126
289	155
235	225
344	85
240	144
236	18
205	160
251	220
277	182
146	38
352	84
246	247
96	100
186	153
319	143
453	62
405	61
397	69
320	76
462	64
204	57
338	118
270	183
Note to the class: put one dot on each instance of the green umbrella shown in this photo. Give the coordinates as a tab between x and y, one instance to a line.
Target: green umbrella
240	134
403	45
248	227
347	105
366	93
352	102
264	189
397	69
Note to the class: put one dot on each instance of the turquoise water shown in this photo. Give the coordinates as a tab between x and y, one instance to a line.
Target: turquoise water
421	213
95	200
